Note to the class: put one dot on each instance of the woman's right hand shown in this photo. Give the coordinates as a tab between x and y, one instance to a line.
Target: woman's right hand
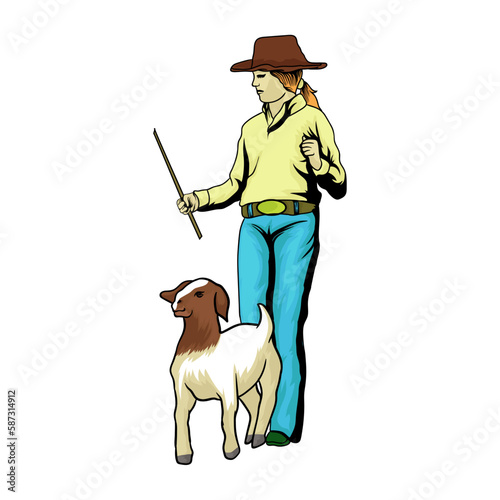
189	203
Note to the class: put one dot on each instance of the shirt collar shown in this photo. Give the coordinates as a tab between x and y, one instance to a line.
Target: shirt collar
289	107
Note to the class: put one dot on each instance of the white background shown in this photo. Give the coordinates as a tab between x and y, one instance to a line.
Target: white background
385	252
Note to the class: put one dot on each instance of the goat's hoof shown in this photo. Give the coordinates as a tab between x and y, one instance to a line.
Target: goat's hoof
249	438
232	454
184	459
258	440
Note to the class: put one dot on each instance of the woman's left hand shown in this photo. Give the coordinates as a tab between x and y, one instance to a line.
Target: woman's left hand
310	149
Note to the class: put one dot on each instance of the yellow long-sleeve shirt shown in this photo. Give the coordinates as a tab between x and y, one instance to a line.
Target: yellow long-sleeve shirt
269	164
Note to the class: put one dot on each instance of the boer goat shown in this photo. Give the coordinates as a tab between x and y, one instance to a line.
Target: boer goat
210	364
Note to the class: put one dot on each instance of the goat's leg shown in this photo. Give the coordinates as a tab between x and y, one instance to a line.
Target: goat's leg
251	400
183	407
229	406
269	384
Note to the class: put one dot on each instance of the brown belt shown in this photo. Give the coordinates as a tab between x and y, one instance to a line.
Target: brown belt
276	207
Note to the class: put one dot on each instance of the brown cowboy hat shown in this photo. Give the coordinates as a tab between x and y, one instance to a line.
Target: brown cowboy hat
276	53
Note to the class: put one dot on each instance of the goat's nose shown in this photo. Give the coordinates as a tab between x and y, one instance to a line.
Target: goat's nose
179	301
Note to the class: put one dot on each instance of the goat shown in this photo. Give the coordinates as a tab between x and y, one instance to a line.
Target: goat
210	364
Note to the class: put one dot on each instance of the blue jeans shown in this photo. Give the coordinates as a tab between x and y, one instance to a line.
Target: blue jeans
276	259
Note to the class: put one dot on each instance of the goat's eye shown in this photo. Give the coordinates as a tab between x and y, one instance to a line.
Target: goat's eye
199	294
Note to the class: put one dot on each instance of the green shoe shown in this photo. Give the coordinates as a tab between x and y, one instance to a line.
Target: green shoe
276	438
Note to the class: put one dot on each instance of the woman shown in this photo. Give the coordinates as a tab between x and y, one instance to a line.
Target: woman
284	154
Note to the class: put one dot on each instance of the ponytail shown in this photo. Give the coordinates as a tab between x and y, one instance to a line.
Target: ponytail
293	81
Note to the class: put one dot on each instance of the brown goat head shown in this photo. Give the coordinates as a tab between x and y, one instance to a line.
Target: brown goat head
200	296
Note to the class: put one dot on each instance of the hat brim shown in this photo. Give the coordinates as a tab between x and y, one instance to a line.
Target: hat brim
247	66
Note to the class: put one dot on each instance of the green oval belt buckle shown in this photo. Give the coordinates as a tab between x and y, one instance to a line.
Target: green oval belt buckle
271	207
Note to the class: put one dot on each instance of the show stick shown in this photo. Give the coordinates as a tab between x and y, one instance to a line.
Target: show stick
176	182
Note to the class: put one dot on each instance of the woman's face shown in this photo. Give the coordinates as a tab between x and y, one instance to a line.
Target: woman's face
268	87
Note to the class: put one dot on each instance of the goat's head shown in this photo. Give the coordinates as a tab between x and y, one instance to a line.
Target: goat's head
200	297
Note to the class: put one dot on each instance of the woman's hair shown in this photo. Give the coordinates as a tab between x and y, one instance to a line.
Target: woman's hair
293	80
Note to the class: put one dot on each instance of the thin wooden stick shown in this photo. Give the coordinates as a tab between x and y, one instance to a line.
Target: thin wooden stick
176	182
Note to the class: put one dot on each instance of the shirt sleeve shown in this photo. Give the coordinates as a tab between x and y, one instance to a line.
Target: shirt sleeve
331	175
225	194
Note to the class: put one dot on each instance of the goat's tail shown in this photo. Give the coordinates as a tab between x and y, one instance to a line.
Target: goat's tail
265	324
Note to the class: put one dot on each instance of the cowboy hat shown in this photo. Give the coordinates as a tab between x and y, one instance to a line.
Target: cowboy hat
277	53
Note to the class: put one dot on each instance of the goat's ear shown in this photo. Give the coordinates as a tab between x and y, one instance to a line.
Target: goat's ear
221	302
169	295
